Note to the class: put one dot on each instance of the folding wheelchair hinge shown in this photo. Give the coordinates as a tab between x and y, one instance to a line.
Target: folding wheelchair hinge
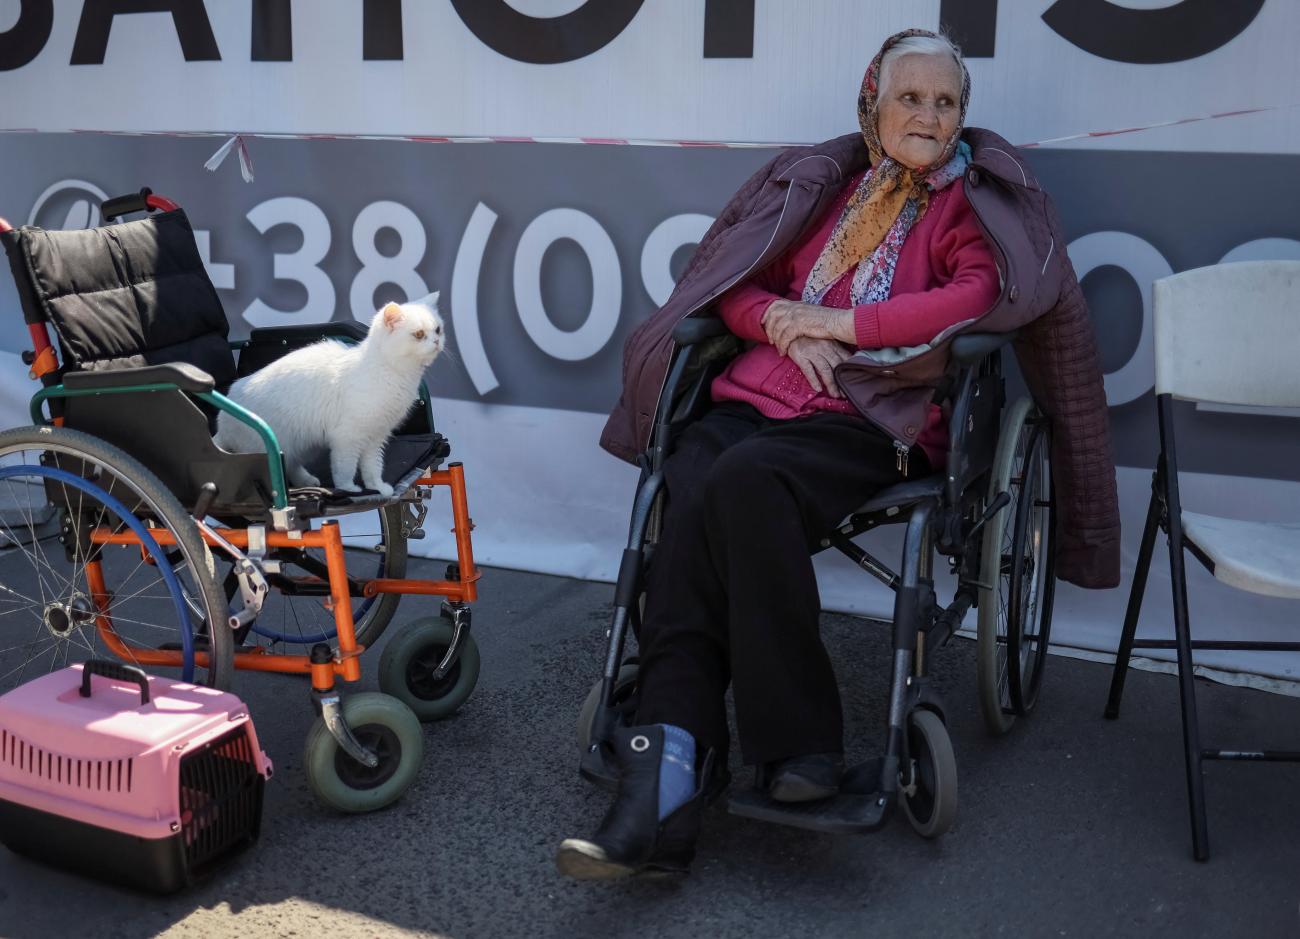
459	615
253	587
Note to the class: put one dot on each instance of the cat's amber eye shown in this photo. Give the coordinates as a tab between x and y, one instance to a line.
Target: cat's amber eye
419	334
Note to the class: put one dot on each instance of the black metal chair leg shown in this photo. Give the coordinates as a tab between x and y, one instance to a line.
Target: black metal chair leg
1182	632
1135	596
1187	698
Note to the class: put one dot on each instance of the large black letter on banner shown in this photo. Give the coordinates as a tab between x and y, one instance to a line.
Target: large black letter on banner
272	31
1183	31
972	24
548	40
381	31
25	39
729	29
191	19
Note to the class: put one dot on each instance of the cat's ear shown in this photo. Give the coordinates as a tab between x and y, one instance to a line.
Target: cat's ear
392	314
429	302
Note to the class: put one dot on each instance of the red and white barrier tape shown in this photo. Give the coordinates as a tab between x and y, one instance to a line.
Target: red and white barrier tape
237	142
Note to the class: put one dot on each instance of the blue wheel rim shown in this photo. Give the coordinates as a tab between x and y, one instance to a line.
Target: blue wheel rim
146	540
266	632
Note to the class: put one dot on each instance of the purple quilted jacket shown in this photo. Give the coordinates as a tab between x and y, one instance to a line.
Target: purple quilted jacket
1056	347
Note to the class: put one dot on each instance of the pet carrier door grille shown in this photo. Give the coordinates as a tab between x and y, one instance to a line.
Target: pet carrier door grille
221	799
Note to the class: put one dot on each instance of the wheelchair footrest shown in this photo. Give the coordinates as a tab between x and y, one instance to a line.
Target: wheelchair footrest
856	809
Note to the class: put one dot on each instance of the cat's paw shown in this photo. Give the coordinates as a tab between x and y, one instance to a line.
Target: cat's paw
349	487
384	490
304	478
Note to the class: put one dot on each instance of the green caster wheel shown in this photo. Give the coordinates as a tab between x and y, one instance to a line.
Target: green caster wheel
384	726
412	655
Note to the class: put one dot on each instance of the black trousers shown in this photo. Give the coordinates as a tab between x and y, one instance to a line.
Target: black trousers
731	595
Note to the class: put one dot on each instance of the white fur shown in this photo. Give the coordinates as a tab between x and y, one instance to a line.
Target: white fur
348	398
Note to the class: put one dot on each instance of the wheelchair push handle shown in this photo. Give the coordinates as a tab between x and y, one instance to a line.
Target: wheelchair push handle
117	671
142	201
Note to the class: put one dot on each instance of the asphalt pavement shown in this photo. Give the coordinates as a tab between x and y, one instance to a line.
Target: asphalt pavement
1070	826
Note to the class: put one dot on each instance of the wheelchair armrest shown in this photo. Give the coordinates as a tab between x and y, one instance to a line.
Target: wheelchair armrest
973	348
695	329
301	335
184	376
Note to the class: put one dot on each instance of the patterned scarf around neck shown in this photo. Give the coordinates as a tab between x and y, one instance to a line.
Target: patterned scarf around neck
890	199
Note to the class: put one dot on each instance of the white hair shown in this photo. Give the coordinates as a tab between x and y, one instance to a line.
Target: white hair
916	45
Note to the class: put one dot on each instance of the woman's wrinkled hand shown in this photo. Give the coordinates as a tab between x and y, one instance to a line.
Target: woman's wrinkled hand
817	359
784	321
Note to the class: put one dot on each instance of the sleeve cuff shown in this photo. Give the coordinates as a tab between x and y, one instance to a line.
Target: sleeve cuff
866	325
742	310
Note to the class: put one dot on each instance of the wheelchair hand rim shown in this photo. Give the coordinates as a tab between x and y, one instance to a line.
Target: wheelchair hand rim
146	541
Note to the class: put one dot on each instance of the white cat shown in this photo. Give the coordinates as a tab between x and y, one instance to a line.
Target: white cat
348	398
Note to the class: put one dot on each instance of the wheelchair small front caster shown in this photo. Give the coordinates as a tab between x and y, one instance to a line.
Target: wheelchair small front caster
928	786
409	668
384	727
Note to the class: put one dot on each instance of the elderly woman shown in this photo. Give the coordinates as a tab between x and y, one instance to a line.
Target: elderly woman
889	255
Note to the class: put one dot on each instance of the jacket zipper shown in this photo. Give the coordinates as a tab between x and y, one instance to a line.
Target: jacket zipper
900	447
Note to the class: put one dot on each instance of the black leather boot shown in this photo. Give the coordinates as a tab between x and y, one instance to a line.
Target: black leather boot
632	839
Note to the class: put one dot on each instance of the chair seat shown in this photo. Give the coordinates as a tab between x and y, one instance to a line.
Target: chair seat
904	493
1259	557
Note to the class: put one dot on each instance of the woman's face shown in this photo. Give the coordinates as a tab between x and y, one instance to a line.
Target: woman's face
919	107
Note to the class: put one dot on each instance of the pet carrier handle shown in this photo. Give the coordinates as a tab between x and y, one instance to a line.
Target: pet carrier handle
142	201
115	670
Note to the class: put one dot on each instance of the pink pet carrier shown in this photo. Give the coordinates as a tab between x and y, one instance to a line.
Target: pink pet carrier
140	780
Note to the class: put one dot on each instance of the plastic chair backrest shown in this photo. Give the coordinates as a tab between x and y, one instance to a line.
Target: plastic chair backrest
1230	334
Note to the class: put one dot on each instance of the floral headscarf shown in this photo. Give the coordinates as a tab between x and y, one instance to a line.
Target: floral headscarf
890	198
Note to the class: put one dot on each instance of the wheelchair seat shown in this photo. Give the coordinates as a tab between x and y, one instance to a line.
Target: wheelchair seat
904	494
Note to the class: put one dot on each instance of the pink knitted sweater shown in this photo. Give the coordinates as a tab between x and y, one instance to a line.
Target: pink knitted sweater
945	274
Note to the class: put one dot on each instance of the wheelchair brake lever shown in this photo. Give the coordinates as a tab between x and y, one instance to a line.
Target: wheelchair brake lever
253	587
1000	502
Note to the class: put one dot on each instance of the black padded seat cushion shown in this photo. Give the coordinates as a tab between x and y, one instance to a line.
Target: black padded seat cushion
128	295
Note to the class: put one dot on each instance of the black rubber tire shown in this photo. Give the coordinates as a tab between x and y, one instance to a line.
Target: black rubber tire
1032	597
624	687
164	509
371	717
933	808
412	653
1019	432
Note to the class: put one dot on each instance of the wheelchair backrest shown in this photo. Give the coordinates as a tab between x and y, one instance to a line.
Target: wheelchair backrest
123	296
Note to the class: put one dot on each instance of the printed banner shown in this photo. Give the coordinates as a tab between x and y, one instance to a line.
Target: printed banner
740	70
547	256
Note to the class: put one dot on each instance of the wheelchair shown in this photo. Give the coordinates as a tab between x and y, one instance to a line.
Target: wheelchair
989	512
129	533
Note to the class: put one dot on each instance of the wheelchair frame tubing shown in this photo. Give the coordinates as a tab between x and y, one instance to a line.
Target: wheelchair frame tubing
909	604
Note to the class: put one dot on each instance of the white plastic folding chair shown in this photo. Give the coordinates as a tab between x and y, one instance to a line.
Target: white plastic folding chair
1228	334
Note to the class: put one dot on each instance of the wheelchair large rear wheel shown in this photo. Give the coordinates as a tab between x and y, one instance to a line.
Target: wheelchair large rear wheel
99	560
295	612
1017	570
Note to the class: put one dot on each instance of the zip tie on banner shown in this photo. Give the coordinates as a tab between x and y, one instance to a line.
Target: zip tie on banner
237	144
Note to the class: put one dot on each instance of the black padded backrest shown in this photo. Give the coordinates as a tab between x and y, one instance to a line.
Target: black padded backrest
124	296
